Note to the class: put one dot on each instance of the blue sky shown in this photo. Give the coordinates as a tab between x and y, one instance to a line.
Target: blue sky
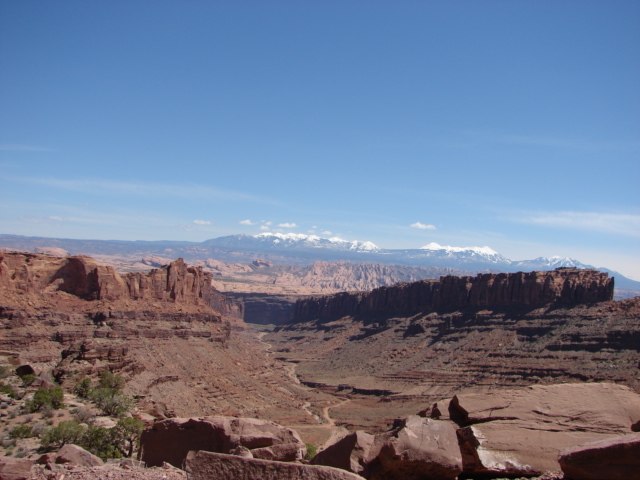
509	124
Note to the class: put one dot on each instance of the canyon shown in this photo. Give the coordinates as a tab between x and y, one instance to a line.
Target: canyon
337	362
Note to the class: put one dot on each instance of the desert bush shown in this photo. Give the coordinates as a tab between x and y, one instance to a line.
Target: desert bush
110	381
28	379
111	402
53	397
83	415
21	431
38	429
311	451
126	435
83	388
7	390
63	433
100	442
5	371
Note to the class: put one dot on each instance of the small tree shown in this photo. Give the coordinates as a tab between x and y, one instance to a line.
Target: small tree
62	434
126	435
110	381
99	441
83	388
52	397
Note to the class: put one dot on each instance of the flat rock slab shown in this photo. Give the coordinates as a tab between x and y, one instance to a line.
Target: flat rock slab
522	431
15	468
616	458
208	466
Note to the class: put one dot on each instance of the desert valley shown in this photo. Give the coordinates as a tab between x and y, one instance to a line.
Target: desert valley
307	361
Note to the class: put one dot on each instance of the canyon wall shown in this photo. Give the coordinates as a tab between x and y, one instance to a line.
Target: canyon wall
565	286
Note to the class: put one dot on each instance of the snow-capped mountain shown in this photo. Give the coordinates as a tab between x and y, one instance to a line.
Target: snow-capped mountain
465	253
292	241
544	263
301	249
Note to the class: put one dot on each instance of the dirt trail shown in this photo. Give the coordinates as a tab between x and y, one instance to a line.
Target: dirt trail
336	432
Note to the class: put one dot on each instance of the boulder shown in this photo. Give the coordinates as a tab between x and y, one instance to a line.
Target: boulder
521	431
419	448
352	452
76	455
616	458
207	465
15	468
170	440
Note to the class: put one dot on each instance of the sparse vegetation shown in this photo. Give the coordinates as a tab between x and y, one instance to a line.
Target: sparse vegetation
28	379
312	451
63	433
7	390
4	371
21	431
51	397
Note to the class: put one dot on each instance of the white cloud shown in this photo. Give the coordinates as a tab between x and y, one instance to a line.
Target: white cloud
618	223
264	227
202	222
247	222
267	223
422	226
327	232
287	225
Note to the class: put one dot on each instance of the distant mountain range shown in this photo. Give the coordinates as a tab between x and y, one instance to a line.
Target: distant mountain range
300	249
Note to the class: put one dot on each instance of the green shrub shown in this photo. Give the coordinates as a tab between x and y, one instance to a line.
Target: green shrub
126	435
21	431
52	397
111	401
4	371
7	390
63	433
83	388
100	442
110	381
28	379
311	451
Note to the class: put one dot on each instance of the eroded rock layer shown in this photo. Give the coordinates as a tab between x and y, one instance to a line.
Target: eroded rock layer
566	285
168	333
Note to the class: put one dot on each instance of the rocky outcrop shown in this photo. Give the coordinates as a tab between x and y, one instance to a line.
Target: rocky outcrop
616	458
353	452
264	309
520	432
75	455
417	448
85	278
564	286
15	468
171	440
206	466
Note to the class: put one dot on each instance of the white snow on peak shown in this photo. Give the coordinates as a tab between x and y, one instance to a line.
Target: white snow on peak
314	240
296	237
449	249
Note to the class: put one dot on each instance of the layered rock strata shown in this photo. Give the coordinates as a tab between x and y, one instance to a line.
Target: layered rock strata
178	355
566	286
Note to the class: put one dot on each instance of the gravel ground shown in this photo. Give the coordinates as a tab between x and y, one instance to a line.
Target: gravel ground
107	472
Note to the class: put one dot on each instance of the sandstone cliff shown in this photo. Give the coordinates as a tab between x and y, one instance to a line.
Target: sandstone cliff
168	332
566	286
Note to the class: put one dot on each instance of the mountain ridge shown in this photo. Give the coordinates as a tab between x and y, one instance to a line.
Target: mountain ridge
304	249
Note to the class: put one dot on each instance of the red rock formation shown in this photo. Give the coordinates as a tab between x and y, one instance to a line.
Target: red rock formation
207	465
616	458
170	440
566	285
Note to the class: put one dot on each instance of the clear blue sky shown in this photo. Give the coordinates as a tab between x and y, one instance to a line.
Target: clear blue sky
512	124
